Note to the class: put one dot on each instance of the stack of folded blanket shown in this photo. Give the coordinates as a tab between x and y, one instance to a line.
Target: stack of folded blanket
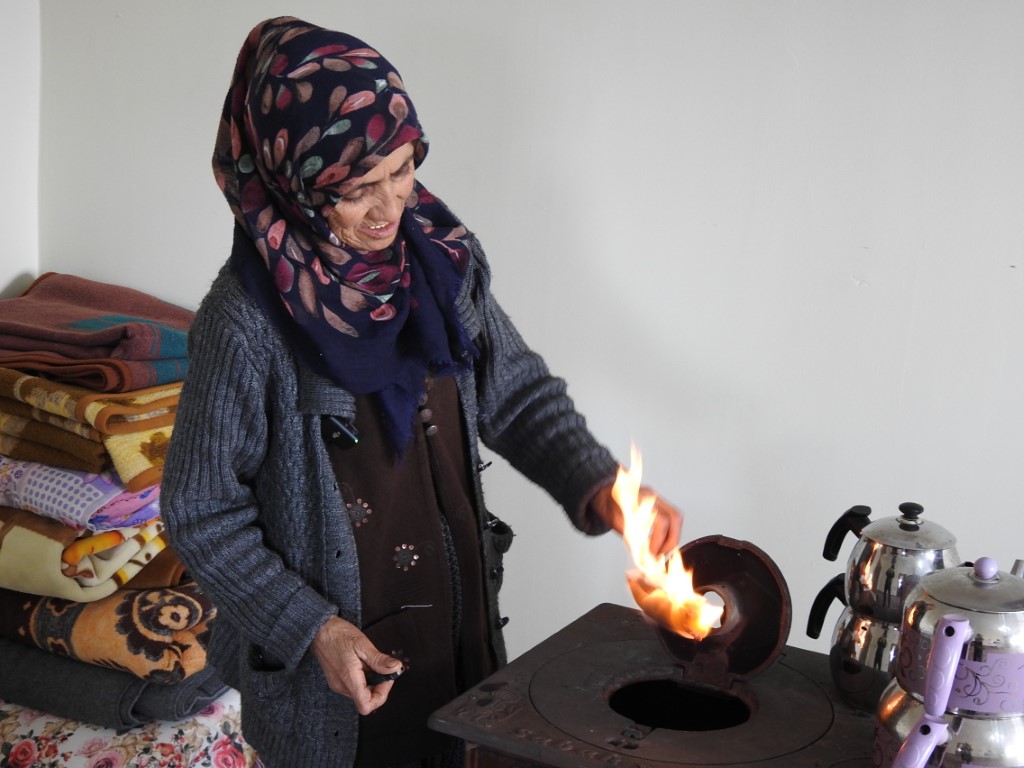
98	620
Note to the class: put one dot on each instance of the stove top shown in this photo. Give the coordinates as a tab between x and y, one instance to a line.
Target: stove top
604	691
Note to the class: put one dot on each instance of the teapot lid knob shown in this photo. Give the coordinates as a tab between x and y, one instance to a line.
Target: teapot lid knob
911	511
986	569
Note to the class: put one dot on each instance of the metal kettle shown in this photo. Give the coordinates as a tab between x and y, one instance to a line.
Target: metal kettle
889	559
958	696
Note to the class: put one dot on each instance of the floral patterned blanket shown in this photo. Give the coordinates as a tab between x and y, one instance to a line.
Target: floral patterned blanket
212	738
97	501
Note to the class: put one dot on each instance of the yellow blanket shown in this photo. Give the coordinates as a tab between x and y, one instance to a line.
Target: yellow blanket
45	557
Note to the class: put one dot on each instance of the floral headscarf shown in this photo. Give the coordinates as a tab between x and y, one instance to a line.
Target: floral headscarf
309	111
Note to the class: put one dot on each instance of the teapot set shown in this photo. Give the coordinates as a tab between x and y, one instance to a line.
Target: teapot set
933	646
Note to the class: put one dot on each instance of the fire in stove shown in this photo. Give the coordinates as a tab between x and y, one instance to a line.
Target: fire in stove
711	685
661	584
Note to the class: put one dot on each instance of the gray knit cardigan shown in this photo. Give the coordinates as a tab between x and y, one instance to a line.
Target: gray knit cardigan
251	502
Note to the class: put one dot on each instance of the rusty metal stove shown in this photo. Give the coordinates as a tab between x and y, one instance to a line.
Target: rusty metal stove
610	689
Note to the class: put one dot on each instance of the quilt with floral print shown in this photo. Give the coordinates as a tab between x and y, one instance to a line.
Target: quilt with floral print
210	739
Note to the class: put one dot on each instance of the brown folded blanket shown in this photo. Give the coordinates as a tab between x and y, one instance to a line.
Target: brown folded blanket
22	429
155	634
111	337
28	450
102	374
77	317
26	411
108	412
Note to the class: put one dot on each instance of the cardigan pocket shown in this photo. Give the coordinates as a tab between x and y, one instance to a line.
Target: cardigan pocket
282	699
266	677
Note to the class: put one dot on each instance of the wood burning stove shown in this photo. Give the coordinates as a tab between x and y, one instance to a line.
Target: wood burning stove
612	689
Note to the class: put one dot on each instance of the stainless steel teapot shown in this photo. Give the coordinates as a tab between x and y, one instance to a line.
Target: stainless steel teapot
980	721
889	559
862	658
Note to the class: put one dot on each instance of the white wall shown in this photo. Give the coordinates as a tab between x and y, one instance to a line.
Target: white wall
779	244
19	135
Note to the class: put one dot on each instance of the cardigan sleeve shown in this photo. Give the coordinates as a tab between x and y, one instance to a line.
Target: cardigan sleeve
218	445
527	416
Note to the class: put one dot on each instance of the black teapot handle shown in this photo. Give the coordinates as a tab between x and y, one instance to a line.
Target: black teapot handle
852	520
834	590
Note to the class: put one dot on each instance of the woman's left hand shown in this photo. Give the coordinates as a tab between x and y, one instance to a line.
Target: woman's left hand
665	528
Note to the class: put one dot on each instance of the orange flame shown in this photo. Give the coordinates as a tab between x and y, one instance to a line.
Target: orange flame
660	584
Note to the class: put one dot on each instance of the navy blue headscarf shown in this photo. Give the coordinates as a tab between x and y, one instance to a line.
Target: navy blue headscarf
309	111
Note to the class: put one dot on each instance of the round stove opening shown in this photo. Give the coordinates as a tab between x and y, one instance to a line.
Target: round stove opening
675	706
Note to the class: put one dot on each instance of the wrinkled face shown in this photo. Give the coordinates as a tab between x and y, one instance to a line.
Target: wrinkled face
367	216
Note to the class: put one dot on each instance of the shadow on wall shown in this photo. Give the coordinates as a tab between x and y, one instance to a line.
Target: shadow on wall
17	285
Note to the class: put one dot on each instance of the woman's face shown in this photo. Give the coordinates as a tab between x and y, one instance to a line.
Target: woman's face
367	217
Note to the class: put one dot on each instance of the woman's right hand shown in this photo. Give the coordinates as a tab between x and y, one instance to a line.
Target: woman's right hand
346	654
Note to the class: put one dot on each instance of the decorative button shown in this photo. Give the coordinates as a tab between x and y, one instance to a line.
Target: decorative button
431	430
404	557
359	512
502	622
496	572
426	414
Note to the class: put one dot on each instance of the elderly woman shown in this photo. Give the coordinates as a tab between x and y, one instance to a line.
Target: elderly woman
323	481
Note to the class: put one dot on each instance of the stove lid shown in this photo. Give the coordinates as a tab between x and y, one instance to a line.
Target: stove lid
757	617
